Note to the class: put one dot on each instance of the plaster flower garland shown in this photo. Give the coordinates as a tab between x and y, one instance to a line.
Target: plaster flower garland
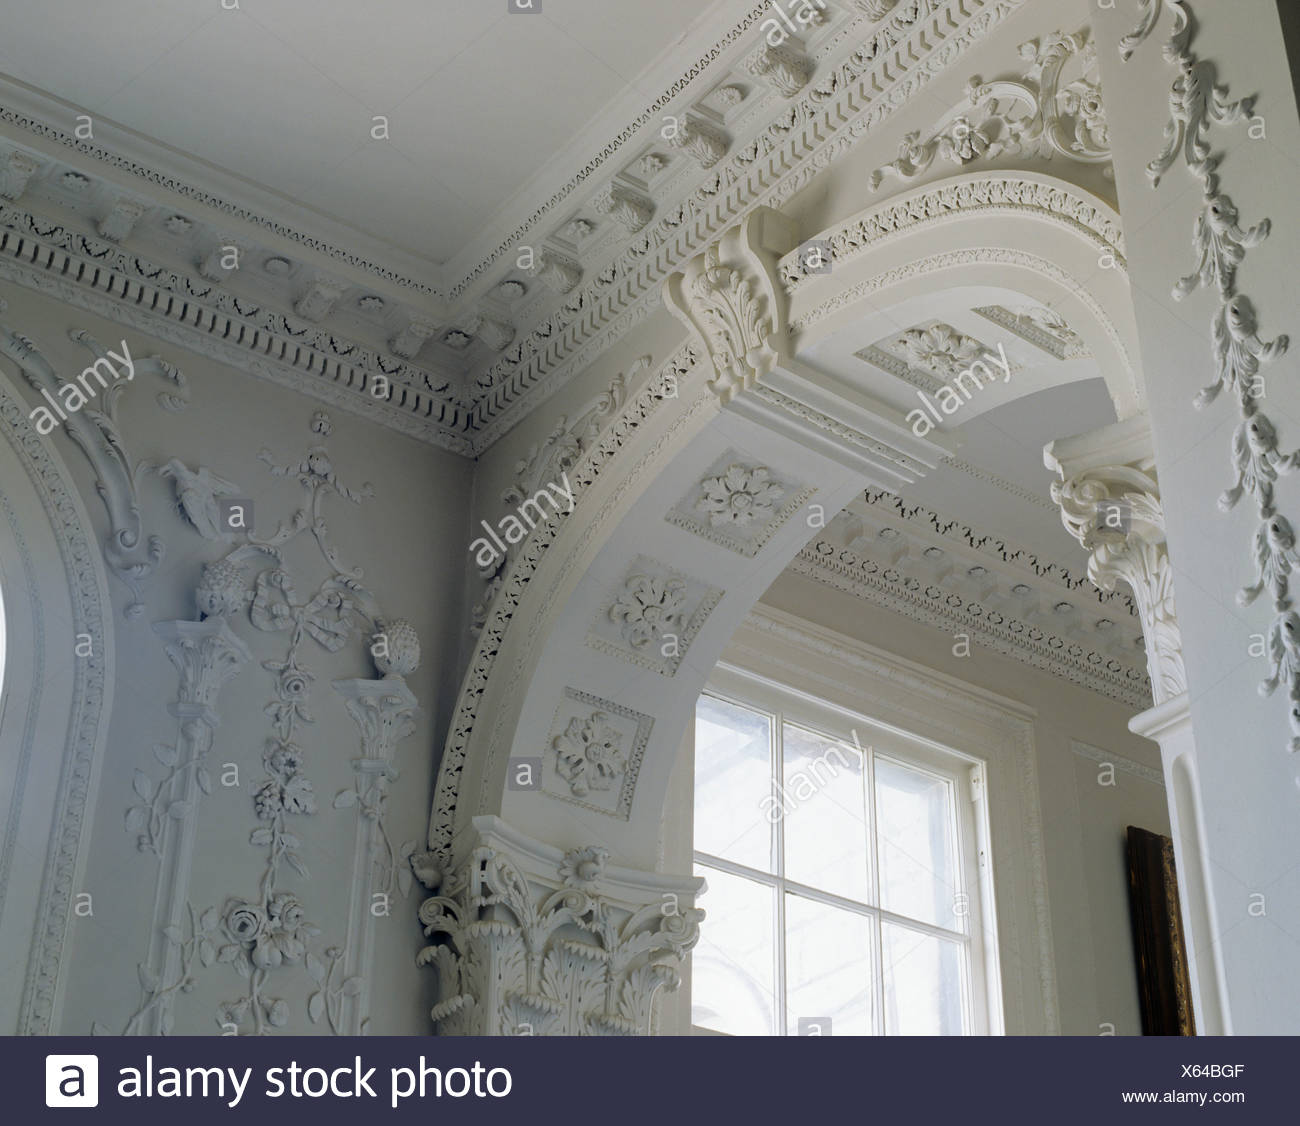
1221	243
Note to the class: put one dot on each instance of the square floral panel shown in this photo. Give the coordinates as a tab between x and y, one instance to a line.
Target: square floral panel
593	753
653	617
739	503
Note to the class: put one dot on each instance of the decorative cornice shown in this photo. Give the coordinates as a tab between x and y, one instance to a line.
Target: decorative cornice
1001	551
101	278
917	41
1037	325
937	588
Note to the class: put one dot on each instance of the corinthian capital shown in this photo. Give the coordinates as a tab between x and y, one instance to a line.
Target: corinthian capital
206	654
731	298
1110	502
529	940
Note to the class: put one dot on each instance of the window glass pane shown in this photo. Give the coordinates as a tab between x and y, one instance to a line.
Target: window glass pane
924	987
733	777
828	967
823	809
918	870
733	967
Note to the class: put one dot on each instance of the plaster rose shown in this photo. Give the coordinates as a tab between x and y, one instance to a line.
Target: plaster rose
741	495
244	922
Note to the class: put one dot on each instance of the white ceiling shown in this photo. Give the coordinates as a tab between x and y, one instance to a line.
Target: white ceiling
1007	444
283	93
996	481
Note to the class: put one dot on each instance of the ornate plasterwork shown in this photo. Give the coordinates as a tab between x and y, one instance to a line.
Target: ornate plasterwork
631	211
643	407
553	955
130	553
940	349
1220	245
1135	554
876	356
734	306
206	654
653	617
830	116
18	167
999	193
101	278
385	710
943	573
548	461
594	752
262	934
883	67
930	354
555	272
785	67
1040	326
1124	385
700	141
738	505
1035	115
721	305
877	9
78	564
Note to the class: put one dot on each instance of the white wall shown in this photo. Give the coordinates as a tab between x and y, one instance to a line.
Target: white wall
1084	817
411	540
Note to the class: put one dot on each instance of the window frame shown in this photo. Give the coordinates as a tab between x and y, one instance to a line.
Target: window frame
964	772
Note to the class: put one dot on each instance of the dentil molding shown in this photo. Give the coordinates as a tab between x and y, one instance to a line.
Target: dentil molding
982	591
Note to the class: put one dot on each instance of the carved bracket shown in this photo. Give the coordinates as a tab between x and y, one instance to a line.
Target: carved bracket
731	298
1110	503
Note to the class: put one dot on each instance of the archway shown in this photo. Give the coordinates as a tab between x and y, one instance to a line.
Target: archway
685	510
54	720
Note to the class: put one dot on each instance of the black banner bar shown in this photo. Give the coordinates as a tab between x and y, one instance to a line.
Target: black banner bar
701	1080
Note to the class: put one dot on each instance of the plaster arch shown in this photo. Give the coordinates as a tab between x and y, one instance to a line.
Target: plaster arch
1031	234
549	658
53	711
